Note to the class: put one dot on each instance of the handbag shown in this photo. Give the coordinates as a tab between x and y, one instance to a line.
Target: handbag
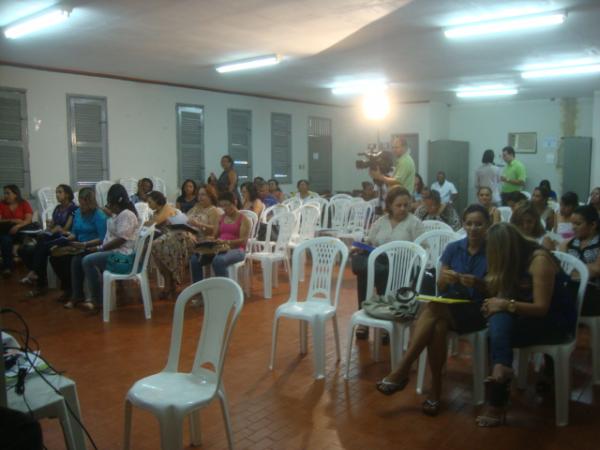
401	306
119	263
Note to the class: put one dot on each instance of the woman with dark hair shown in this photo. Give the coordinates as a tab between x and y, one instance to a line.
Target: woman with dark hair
530	303
187	199
434	209
15	213
228	180
145	186
539	200
35	257
163	213
304	192
250	198
398	224
275	191
417	194
488	175
595	198
232	234
546	185
461	276
485	195
526	218
88	231
563	226
585	245
121	233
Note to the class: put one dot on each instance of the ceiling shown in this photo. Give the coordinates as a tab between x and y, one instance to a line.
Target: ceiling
180	41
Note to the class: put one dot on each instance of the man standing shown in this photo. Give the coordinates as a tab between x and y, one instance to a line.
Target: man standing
404	168
447	190
514	173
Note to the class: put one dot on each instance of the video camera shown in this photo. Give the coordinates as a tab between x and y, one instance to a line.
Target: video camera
376	159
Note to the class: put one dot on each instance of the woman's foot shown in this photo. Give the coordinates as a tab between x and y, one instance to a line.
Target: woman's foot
389	387
72	303
431	407
492	417
362	332
88	305
30	278
497	399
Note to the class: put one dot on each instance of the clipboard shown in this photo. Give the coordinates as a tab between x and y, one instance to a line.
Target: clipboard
446	300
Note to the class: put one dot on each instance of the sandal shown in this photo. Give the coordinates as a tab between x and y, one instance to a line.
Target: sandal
362	332
498	395
431	407
88	305
387	387
72	303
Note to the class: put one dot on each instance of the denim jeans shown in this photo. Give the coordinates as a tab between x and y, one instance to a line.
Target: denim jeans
6	245
219	262
88	267
360	269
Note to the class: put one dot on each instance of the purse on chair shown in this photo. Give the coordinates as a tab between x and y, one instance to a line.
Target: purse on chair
402	306
119	263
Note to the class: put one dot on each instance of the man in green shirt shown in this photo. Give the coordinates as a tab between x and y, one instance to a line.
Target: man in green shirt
404	168
514	173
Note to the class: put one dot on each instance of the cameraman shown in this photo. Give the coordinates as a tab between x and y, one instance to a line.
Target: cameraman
404	168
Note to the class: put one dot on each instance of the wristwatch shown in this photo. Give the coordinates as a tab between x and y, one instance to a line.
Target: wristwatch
511	307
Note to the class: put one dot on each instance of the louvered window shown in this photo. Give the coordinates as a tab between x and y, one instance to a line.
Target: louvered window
88	140
239	124
14	157
281	147
190	142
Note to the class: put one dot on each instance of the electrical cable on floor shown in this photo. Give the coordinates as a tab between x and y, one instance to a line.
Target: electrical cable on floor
26	349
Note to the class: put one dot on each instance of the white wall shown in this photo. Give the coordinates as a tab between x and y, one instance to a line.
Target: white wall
595	180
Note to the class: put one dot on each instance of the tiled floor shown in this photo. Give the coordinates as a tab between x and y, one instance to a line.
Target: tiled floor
285	408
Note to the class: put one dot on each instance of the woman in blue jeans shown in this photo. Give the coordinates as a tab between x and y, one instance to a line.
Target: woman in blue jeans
530	304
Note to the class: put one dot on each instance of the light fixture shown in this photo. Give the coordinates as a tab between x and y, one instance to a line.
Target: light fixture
376	105
46	18
247	64
505	25
487	91
360	86
559	71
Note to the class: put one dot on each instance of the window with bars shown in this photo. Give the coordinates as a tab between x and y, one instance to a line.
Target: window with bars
239	126
14	155
190	142
88	140
281	147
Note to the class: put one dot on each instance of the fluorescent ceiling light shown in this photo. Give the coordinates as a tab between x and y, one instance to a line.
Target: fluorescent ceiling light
560	63
505	25
562	71
487	91
46	18
254	63
359	86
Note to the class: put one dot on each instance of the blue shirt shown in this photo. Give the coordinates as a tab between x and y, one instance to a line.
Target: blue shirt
269	200
457	257
89	227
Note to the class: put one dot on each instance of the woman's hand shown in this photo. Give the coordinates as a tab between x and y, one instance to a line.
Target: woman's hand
468	280
449	276
77	244
14	229
493	305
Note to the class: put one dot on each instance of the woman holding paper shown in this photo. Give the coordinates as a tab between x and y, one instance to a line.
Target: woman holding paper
461	276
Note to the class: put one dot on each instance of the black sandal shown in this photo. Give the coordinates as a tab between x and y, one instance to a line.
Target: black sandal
387	387
431	407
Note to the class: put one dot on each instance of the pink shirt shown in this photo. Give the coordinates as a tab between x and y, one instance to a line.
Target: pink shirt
230	231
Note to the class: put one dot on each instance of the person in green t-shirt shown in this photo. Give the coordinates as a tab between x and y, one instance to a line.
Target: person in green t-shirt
404	168
514	173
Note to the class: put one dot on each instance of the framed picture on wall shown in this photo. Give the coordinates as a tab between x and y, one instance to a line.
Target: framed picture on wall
523	142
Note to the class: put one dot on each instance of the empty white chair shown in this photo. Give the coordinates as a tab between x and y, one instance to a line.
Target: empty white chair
139	272
431	225
272	210
338	196
307	224
102	188
406	266
360	216
560	353
505	213
323	207
172	395
434	242
46	198
292	203
338	211
269	253
321	300
159	185
130	185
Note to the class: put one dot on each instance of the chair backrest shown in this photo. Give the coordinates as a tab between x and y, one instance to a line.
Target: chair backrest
76	197
571	264
286	222
307	221
292	203
323	207
253	227
223	300
360	215
130	185
338	211
271	211
431	225
142	249
46	198
46	215
325	252
505	213
102	188
143	211
434	242
159	185
338	196
526	194
406	260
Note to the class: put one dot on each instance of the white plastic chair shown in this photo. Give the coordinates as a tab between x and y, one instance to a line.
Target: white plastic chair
320	303
526	194
360	216
338	211
130	185
505	213
139	272
159	185
46	198
292	203
172	395
431	225
234	269
406	261
560	353
143	210
323	204
434	242
270	253
102	188
271	211
307	224
335	197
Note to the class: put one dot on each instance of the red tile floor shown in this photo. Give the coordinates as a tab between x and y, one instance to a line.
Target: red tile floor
285	408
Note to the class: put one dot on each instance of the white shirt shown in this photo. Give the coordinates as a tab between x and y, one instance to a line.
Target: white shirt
382	231
446	190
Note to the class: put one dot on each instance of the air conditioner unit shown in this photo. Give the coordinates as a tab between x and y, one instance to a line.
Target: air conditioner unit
525	142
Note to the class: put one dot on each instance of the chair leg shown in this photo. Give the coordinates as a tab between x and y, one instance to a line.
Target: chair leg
303	337
225	409
349	348
65	423
595	345
562	388
106	294
267	267
146	294
377	345
171	431
421	371
195	429
275	274
336	336
318	334
274	341
127	433
302	265
523	369
479	361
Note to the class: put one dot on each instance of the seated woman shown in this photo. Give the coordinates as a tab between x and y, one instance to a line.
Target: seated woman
485	196
36	257
539	200
250	199
15	214
121	232
585	245
512	199
461	276
563	226
88	230
304	191
545	184
145	186
418	192
232	233
526	218
434	209
187	199
595	198
275	191
398	224
530	304
171	252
